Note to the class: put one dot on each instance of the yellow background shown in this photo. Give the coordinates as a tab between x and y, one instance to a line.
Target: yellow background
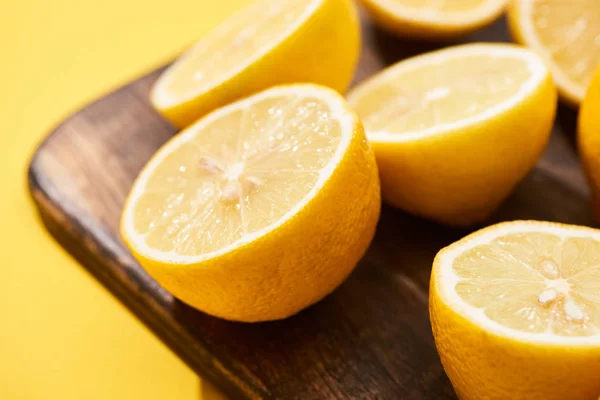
62	336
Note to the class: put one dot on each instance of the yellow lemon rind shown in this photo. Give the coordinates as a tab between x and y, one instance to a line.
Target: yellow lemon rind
588	140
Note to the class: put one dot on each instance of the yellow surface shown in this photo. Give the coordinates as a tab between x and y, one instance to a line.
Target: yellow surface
514	311
289	204
62	336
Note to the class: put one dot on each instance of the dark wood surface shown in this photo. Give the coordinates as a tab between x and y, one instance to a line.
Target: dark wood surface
370	339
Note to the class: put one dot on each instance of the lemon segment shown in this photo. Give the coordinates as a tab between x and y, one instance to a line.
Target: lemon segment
588	140
264	44
515	310
434	19
455	130
259	209
566	34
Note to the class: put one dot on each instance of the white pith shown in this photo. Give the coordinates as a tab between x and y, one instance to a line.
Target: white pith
338	112
446	279
162	97
538	74
432	15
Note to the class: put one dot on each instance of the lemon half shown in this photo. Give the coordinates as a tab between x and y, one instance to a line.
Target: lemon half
259	209
455	130
515	310
266	43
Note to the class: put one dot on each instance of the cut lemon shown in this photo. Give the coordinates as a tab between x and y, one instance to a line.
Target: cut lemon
434	19
267	43
588	140
515	310
566	34
455	130
259	209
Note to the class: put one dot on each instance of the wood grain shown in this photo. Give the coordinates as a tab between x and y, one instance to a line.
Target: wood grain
370	339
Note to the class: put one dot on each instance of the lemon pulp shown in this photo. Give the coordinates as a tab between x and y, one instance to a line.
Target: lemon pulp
426	96
534	282
234	45
239	175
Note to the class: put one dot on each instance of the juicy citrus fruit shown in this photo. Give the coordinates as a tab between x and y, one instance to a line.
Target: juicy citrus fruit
515	310
455	130
267	43
259	209
589	140
434	19
566	33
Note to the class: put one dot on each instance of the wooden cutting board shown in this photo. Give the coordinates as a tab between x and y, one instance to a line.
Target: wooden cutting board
370	339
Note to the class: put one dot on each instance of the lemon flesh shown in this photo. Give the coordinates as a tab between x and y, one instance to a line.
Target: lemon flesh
259	209
567	34
234	44
427	98
534	282
243	173
515	311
